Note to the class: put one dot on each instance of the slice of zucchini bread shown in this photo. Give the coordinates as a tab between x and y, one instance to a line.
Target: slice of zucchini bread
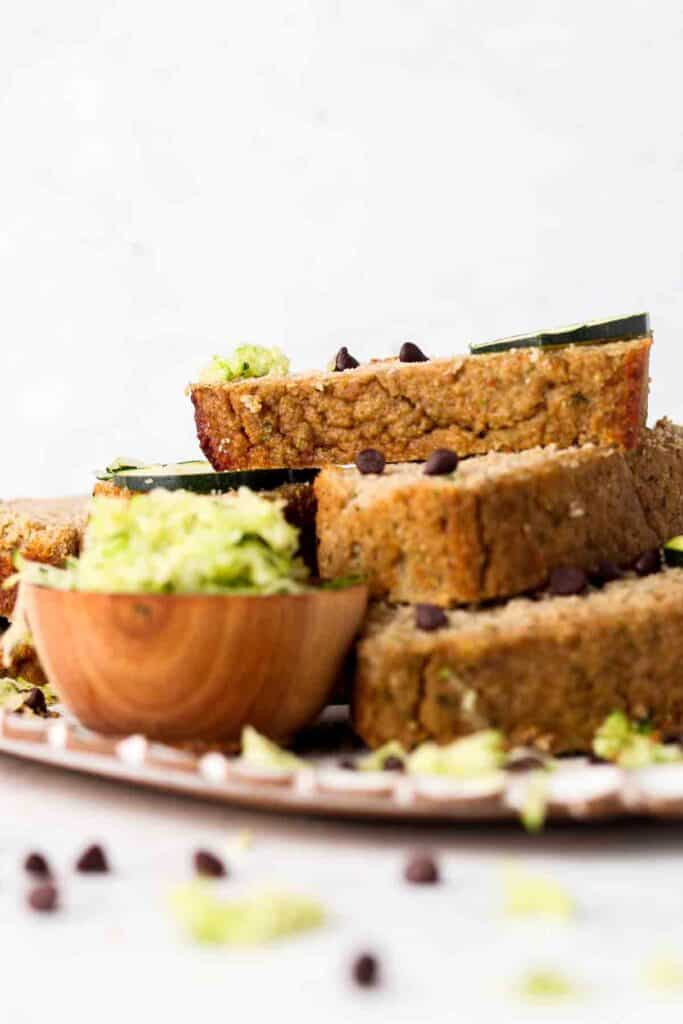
545	672
499	524
41	529
505	401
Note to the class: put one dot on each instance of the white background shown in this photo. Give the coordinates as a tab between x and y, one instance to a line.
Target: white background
176	178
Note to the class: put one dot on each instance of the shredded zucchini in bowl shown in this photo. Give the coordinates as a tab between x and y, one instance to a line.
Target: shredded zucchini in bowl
176	542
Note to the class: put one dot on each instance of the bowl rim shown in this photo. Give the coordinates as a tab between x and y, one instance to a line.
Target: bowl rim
145	596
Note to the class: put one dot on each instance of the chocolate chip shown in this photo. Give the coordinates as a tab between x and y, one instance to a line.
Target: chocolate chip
566	581
648	562
92	861
344	360
348	765
442	460
209	865
365	970
410	353
430	616
35	701
604	572
393	764
528	763
596	759
36	864
421	869
370	461
43	897
327	737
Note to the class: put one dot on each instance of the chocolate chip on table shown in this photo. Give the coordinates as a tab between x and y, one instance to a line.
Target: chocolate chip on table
347	764
604	572
370	461
93	861
421	869
35	701
344	360
566	581
209	865
365	970
430	616
648	562
36	864
442	460
43	897
393	764
410	353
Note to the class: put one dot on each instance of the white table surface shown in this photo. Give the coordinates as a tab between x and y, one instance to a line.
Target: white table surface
112	952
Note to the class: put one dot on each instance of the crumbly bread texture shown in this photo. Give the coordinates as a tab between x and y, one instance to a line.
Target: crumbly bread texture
43	530
300	508
545	672
507	401
501	523
24	663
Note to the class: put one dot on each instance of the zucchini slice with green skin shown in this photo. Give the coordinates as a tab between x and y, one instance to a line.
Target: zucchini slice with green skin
198	476
596	332
673	552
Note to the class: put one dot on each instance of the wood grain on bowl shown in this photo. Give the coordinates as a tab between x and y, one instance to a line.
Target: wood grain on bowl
194	667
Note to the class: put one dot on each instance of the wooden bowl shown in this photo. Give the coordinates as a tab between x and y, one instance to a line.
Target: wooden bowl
194	667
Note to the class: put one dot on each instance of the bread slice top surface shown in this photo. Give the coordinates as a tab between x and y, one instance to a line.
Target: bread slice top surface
487	362
525	617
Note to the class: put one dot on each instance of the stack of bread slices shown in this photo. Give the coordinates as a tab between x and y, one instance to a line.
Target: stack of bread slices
507	509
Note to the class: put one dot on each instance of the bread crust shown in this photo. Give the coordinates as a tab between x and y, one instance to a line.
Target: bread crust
545	672
507	401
